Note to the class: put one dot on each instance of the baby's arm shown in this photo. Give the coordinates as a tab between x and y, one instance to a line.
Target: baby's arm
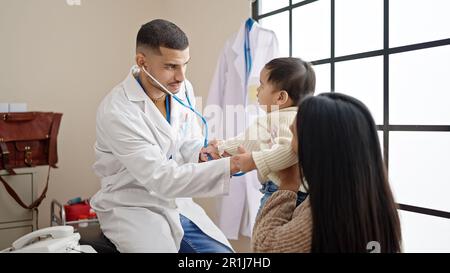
247	139
231	145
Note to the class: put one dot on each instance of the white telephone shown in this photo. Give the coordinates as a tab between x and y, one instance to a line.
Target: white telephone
59	239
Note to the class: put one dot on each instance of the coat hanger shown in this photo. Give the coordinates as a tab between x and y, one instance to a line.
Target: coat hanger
249	23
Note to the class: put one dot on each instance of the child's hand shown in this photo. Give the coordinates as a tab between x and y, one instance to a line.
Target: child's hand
202	156
211	150
244	160
214	143
225	154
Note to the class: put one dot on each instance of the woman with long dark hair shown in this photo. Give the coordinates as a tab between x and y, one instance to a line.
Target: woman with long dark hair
350	207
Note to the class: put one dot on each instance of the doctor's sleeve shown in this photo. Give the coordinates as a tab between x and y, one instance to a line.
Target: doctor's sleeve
135	148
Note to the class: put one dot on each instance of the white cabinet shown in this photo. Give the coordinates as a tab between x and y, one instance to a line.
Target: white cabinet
16	221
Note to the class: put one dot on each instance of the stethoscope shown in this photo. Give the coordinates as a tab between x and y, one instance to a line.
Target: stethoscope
203	119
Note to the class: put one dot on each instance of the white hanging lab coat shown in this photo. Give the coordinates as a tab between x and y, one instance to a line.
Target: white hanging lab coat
237	211
143	191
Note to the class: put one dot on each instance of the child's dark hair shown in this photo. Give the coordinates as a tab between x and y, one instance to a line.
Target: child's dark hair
293	75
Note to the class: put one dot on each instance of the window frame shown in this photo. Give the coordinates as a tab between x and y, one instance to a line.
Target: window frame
386	51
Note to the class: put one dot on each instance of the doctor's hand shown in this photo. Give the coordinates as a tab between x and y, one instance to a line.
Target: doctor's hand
234	168
244	160
211	149
203	156
225	154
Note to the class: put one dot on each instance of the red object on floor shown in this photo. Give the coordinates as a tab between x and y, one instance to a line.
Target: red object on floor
73	212
92	215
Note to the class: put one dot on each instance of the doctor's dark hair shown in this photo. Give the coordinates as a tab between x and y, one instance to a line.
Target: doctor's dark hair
340	157
293	75
161	33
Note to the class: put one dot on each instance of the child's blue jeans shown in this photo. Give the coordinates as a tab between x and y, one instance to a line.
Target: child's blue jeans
269	188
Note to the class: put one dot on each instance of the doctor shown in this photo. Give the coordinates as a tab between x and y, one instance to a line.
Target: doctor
148	150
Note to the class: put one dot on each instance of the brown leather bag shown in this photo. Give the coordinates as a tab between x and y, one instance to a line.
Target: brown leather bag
27	140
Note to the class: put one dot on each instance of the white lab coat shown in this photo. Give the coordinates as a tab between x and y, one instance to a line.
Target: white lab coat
142	190
237	211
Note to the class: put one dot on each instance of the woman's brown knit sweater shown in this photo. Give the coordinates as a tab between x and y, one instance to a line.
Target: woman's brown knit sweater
281	227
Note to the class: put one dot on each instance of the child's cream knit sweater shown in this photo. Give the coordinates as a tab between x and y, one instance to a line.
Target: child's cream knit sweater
269	141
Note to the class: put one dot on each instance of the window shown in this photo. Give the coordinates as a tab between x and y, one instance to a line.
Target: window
421	84
394	55
363	79
358	26
322	78
311	43
280	24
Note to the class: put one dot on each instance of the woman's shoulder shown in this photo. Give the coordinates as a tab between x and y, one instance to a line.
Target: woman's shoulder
303	210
